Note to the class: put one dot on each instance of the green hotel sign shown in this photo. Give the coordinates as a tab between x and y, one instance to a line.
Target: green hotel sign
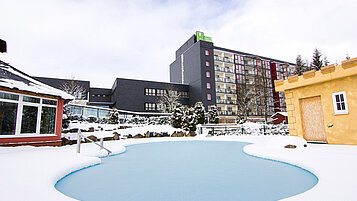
201	36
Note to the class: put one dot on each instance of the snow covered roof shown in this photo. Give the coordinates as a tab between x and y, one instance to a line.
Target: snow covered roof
12	78
282	113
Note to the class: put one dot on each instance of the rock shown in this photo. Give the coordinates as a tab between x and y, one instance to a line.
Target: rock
148	134
73	130
174	134
290	146
116	136
65	141
91	129
180	134
92	137
108	138
138	136
191	134
165	134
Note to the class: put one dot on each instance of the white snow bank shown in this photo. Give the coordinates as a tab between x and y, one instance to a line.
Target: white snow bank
282	141
30	173
334	165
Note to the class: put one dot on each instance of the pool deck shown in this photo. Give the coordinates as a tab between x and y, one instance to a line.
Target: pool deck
30	173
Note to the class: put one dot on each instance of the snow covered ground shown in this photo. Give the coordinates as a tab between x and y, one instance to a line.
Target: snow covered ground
30	173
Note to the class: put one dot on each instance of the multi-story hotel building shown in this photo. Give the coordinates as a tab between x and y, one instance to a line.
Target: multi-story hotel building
201	72
219	76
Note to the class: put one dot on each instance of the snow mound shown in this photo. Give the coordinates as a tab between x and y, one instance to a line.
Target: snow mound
282	141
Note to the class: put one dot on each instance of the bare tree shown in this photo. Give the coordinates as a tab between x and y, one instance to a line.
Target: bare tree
169	100
262	92
245	100
74	88
256	97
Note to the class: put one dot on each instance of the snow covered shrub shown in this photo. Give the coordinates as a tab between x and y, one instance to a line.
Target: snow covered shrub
176	116
103	120
92	119
164	120
212	115
189	119
200	112
113	116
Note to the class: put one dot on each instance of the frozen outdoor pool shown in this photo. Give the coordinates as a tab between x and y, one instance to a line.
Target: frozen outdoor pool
191	170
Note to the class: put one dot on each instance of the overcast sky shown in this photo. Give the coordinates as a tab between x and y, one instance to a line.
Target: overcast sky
99	40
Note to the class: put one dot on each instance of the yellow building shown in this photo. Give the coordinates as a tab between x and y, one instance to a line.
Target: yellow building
322	105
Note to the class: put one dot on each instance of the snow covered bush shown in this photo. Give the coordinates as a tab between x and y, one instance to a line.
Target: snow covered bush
176	116
113	116
200	112
92	119
189	119
212	115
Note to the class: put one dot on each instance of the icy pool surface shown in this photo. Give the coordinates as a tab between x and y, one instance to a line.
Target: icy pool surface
186	171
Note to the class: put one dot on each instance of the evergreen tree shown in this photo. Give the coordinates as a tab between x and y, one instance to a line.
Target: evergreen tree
300	65
316	60
348	57
326	62
200	111
113	116
213	115
189	119
176	116
65	117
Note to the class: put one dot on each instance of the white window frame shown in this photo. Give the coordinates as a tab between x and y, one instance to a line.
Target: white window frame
209	97
208	63
339	112
208	74
20	104
207	52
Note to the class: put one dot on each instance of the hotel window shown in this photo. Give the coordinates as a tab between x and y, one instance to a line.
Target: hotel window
160	92
38	115
150	92
184	94
209	97
206	52
150	106
208	74
208	85
208	63
340	103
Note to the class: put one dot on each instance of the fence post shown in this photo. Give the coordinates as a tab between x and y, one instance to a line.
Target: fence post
79	141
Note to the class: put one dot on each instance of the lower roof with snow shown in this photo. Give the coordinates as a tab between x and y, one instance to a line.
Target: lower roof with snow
12	78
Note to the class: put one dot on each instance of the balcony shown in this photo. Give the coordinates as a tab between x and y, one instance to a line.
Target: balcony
228	60
218	58
224	70
226	102
228	70
227	113
223	59
228	80
226	91
219	79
